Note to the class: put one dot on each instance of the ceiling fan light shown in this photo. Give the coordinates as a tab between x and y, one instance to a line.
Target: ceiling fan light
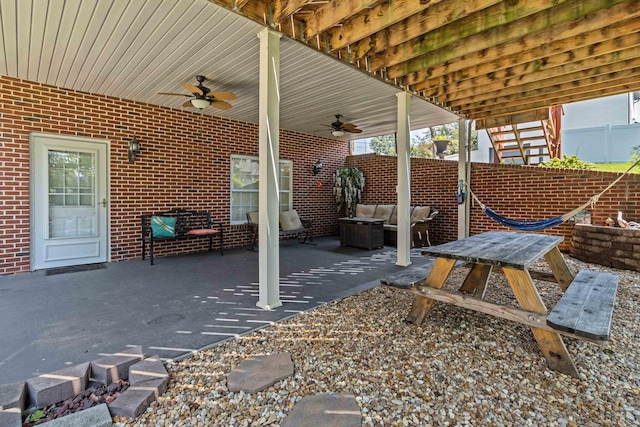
200	103
337	133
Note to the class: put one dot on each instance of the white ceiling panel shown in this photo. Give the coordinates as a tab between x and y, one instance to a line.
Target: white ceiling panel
134	49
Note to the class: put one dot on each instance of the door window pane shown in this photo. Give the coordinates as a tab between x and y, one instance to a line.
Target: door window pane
72	194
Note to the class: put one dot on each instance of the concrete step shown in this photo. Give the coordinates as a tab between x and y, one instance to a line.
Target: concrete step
48	389
116	366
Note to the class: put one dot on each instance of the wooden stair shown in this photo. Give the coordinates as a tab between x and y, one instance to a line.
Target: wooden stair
522	143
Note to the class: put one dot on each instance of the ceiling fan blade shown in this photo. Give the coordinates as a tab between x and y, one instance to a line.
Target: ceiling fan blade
172	94
193	89
187	104
349	127
354	130
221	105
222	96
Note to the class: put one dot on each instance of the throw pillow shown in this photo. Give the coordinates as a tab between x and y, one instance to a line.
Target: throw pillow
365	211
290	220
163	226
384	212
394	216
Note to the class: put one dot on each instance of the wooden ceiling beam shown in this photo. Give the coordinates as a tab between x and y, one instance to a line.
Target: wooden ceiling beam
551	102
428	19
543	22
509	84
334	13
561	62
511	54
480	22
283	9
577	87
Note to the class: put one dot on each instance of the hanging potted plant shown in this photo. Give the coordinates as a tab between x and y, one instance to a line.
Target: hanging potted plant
347	188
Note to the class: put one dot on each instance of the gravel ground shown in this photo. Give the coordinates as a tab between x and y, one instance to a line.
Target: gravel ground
460	368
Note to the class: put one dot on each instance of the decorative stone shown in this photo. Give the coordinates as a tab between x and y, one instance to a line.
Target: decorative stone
257	373
149	369
116	366
12	396
327	410
48	389
97	416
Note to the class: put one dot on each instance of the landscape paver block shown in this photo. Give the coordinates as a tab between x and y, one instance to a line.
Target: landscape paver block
256	373
132	402
148	369
57	386
11	418
96	416
116	366
12	395
326	410
158	385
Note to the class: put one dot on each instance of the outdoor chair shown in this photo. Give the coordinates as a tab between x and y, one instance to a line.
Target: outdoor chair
290	226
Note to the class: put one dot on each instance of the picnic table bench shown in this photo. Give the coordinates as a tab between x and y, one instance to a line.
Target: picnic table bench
584	311
179	224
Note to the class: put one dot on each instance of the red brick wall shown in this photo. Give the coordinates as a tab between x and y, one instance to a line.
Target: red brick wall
520	192
184	162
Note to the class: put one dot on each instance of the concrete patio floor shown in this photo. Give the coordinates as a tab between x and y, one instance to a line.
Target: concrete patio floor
178	306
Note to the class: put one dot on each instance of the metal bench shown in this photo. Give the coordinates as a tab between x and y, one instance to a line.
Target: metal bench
188	225
586	307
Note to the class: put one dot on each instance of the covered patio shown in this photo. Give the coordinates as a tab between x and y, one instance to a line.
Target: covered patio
93	77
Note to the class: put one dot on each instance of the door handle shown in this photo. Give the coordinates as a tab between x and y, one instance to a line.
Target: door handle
104	202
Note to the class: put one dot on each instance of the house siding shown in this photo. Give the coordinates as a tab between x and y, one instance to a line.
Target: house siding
184	163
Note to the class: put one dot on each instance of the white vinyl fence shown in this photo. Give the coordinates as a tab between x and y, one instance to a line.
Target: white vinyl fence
603	144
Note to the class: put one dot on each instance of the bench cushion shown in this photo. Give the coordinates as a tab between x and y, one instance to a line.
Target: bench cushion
163	226
202	232
290	220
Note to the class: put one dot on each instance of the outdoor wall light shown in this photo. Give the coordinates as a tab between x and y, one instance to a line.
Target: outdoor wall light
317	168
337	132
134	149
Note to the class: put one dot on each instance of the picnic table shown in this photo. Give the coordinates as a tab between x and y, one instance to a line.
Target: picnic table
583	312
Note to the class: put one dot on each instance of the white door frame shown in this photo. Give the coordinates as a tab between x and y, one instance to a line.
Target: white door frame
38	198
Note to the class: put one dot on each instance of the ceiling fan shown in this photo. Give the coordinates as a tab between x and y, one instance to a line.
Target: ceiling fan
340	128
203	96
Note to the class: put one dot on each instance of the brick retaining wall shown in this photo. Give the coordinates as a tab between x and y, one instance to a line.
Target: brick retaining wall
609	246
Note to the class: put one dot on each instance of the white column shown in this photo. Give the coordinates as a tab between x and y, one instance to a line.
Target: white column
403	148
268	134
464	174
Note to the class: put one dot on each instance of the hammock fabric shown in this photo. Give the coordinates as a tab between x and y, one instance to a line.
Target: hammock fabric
543	224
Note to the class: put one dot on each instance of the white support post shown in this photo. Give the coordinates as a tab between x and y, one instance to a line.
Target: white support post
269	198
403	148
464	174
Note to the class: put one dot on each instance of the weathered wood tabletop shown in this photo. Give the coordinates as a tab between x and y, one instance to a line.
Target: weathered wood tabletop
499	248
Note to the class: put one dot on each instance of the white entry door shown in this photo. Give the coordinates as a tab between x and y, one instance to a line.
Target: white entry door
69	208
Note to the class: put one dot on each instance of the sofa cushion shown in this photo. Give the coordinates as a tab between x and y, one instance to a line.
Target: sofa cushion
384	212
420	213
290	220
365	211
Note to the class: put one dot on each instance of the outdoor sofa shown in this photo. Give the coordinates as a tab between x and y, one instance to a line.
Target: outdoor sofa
421	217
